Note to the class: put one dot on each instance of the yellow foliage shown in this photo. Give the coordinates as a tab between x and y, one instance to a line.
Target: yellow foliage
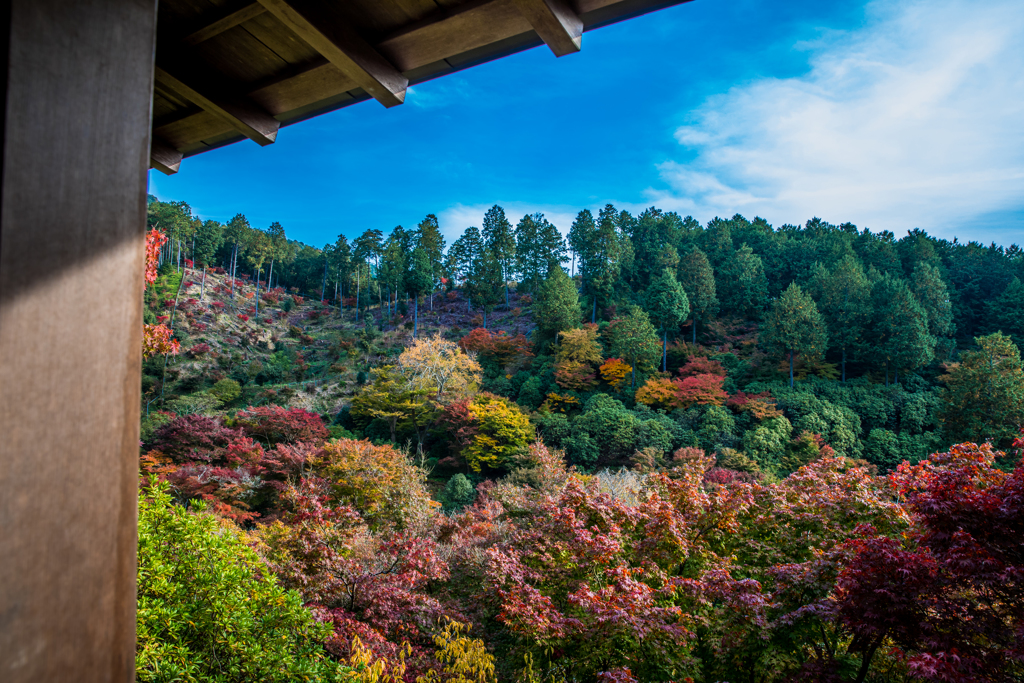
366	670
378	481
559	403
439	365
463	659
579	346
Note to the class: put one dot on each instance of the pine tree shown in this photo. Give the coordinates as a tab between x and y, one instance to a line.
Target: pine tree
484	282
465	252
900	326
668	306
743	285
418	280
795	326
933	295
501	241
698	279
844	300
558	305
606	263
582	240
429	237
207	241
1006	313
635	338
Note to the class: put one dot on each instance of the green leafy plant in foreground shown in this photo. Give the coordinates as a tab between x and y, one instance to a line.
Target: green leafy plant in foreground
208	610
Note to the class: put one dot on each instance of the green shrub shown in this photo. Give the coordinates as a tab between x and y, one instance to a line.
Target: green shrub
458	493
226	390
208	609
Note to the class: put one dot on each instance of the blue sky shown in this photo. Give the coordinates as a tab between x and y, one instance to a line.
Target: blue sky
890	114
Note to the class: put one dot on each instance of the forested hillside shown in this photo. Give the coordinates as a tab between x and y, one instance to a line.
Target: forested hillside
653	450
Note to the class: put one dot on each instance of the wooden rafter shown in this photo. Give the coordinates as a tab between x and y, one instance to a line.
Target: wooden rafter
229	21
334	38
163	157
250	119
555	22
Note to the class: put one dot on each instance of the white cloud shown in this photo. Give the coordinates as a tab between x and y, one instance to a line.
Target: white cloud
914	120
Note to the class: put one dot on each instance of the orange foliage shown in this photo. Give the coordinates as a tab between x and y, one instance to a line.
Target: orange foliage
503	348
614	371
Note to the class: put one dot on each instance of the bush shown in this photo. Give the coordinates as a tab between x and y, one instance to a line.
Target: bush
458	493
276	424
208	610
226	390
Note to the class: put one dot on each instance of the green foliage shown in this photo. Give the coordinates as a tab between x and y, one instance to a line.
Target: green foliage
635	339
698	279
984	395
209	611
795	326
226	390
558	307
458	493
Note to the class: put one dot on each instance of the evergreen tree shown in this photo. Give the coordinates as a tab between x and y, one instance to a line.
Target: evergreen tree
1006	314
984	395
418	280
500	240
278	247
606	262
668	306
698	280
635	338
207	241
340	262
484	282
558	305
582	241
844	301
539	247
744	286
933	295
795	326
462	256
900	326
429	237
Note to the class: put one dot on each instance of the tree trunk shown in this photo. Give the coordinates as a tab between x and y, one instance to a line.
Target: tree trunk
357	296
323	284
632	380
664	351
257	295
485	318
593	316
415	314
790	369
202	287
271	276
896	375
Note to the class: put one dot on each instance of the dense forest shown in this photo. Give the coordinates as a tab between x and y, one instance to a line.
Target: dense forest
651	450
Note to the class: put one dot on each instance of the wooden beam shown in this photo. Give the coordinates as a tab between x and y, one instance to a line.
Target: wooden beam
333	37
163	157
555	22
250	119
229	21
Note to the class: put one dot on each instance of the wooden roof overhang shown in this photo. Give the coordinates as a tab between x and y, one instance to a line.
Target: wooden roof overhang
227	70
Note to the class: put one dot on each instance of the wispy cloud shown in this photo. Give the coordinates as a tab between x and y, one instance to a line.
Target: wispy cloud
915	119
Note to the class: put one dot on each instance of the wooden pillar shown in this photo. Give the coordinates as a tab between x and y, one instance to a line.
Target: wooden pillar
77	81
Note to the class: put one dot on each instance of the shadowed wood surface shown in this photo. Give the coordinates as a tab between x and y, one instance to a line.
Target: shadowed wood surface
72	222
229	68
